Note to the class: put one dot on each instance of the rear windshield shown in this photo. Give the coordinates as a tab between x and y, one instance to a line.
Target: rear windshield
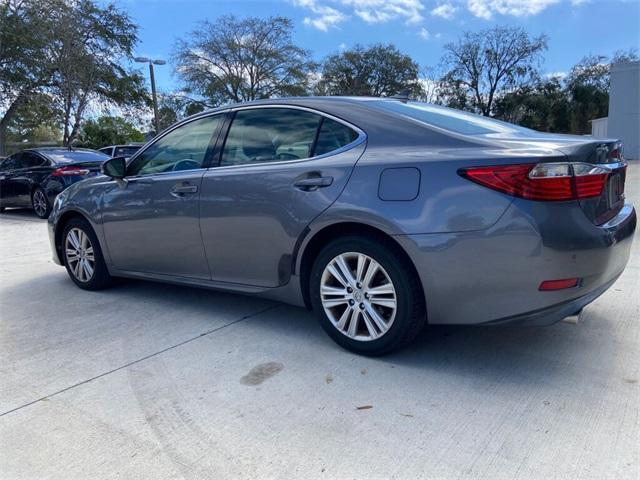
73	156
449	118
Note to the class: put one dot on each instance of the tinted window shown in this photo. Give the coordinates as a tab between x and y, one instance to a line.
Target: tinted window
106	150
184	148
11	162
449	118
125	151
333	135
269	135
30	160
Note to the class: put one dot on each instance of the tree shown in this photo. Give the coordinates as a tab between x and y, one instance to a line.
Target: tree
175	107
544	106
486	62
108	131
235	60
91	42
69	51
378	70
25	67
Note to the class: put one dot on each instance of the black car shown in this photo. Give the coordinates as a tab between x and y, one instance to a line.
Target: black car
33	178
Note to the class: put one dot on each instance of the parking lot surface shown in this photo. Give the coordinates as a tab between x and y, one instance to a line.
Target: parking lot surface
156	381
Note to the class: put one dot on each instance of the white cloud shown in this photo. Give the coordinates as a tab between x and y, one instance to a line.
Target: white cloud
324	16
445	10
424	34
517	8
329	13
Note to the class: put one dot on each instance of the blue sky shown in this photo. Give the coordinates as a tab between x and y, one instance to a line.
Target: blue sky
418	27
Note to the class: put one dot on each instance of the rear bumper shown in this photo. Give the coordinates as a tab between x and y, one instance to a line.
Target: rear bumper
492	276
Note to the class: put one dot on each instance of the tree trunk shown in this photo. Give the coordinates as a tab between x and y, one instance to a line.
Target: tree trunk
6	120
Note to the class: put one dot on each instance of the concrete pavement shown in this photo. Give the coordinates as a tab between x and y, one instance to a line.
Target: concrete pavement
155	381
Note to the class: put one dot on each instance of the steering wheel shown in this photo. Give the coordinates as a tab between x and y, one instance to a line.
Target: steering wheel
185	165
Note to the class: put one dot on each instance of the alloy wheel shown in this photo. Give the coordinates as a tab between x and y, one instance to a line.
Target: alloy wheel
358	296
79	254
40	203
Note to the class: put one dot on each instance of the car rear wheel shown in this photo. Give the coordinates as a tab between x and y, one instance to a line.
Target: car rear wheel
82	256
366	295
40	203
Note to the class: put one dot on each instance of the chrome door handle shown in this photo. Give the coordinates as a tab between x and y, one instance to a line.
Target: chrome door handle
181	190
313	183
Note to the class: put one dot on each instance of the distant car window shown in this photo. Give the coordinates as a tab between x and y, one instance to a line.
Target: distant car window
127	151
449	118
184	148
333	135
76	156
30	160
10	163
270	135
107	150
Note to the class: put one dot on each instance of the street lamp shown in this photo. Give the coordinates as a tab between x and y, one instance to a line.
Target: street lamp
153	85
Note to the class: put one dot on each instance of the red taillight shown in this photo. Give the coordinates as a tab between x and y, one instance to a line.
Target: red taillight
549	285
69	171
542	181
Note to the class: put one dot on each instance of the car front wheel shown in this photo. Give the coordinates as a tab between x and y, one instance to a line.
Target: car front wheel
82	256
366	295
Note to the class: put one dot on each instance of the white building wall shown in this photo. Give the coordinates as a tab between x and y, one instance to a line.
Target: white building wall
624	107
599	127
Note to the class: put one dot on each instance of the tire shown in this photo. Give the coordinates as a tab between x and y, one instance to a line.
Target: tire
79	237
40	203
395	314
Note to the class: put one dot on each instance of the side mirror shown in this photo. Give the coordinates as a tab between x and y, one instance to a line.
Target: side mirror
115	167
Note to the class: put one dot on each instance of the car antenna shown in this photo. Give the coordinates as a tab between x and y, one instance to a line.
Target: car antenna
402	95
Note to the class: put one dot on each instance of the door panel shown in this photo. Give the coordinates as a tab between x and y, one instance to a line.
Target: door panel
252	215
151	224
151	219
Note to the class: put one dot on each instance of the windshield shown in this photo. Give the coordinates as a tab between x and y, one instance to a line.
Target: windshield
449	118
73	156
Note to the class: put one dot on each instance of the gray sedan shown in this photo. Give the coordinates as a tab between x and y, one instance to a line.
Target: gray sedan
378	214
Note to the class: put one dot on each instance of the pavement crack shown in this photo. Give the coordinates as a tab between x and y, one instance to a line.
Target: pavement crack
142	359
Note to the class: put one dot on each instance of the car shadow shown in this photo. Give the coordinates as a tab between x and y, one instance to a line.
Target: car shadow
508	355
23	214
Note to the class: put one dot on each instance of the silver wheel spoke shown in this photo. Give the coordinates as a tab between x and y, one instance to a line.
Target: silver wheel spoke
369	324
337	275
345	270
353	323
344	318
371	271
383	302
373	315
334	302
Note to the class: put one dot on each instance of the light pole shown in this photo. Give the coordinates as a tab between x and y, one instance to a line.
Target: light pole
153	86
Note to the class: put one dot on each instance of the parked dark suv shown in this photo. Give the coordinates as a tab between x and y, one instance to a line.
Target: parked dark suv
33	178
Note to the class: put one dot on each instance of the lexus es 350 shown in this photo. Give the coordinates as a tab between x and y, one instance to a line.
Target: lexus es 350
379	215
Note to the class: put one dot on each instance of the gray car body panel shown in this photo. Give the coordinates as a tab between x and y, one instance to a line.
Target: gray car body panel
480	254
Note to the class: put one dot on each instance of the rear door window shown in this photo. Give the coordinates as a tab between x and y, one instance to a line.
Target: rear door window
270	135
333	136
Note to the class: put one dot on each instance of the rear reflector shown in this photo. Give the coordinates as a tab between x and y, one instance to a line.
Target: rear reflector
69	171
542	181
549	285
